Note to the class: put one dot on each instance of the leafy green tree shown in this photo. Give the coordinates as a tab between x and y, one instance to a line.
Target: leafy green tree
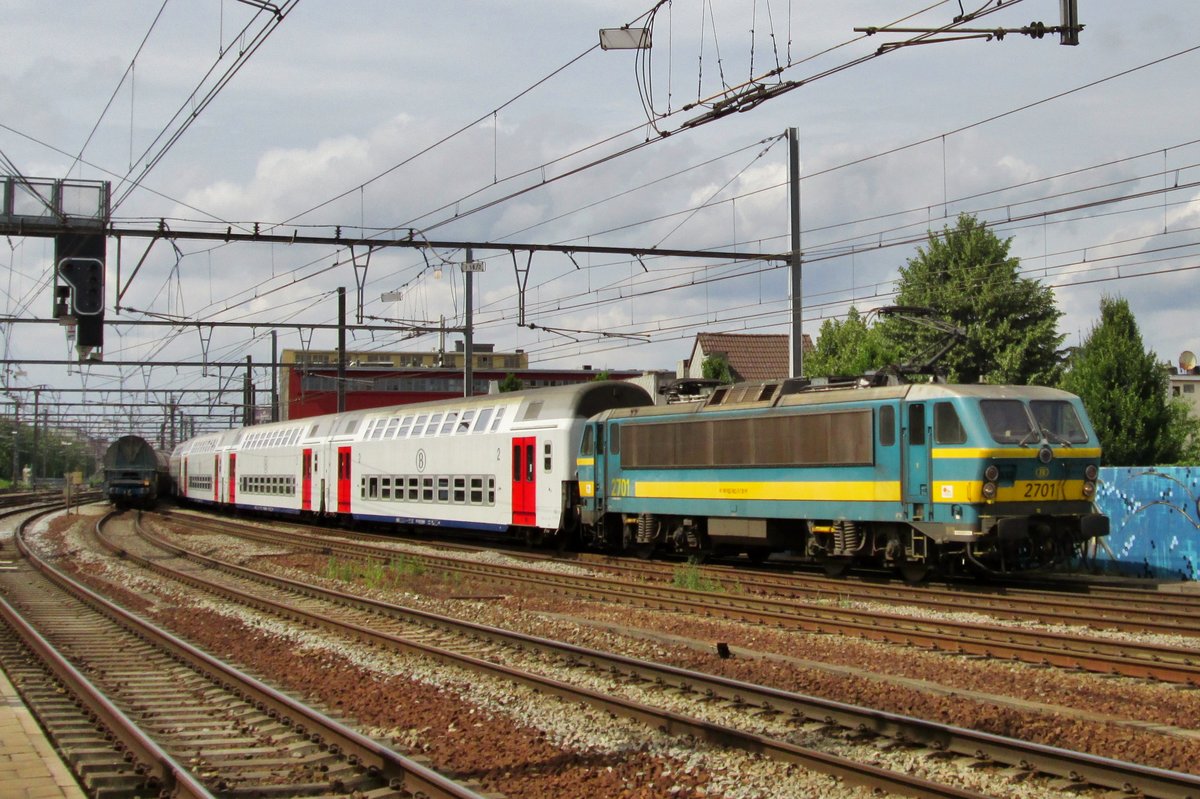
716	367
849	347
510	383
1124	389
966	276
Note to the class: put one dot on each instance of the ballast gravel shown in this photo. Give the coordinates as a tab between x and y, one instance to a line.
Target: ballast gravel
524	744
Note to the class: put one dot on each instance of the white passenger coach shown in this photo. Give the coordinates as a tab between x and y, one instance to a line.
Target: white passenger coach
497	463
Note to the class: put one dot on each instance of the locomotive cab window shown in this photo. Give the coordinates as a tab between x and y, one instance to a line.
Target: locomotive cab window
1058	420
614	439
947	428
587	446
1008	421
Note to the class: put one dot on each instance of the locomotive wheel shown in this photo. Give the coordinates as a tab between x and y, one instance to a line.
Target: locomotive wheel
834	566
758	555
914	572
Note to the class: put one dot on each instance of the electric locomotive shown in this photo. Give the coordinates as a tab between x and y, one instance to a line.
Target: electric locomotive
913	476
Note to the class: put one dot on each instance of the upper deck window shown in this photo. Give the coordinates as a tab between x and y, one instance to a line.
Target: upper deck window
1008	421
1059	422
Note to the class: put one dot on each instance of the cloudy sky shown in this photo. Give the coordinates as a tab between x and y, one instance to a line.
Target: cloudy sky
505	122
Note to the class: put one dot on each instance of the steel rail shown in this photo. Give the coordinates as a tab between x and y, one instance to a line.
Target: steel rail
669	722
1103	656
1076	767
398	771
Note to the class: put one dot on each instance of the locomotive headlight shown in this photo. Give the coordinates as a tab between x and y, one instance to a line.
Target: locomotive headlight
991	473
989	491
1091	473
1089	488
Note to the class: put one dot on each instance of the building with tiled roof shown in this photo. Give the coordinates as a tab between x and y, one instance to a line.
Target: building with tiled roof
751	356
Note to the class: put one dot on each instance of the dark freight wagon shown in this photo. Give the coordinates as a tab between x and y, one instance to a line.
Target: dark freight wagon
134	473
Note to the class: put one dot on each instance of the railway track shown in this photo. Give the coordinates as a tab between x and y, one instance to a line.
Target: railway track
1086	604
1069	650
162	718
445	635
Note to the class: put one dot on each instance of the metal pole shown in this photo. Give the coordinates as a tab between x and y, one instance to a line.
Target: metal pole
16	458
274	376
795	287
341	372
33	460
468	338
247	397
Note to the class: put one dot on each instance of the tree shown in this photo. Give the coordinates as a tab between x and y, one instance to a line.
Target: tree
1124	389
848	348
510	383
716	367
966	276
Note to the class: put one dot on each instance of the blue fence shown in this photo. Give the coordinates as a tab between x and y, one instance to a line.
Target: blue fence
1154	512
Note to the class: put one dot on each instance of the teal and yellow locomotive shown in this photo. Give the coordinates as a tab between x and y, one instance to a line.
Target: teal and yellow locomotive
918	476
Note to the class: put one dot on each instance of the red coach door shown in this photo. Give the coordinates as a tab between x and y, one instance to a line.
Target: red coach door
306	480
216	478
232	478
343	480
524	493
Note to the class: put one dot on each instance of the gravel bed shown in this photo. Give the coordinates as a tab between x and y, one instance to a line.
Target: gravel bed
1108	716
454	717
505	737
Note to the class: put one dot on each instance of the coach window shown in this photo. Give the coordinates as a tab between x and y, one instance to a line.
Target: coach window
485	416
427	489
614	439
499	418
460	490
414	489
887	426
434	421
443	494
947	429
546	456
476	490
372	487
449	425
464	424
385	488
